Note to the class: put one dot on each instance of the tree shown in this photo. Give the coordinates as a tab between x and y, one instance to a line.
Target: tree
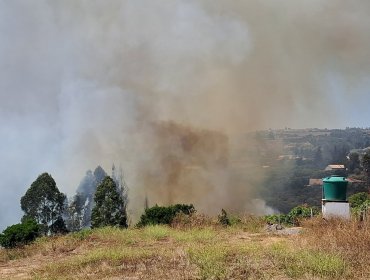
109	206
43	202
122	188
353	162
78	214
75	213
366	166
99	174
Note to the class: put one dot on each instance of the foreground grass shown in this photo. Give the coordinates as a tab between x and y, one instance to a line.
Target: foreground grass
161	252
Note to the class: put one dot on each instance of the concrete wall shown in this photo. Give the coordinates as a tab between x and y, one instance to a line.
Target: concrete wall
336	209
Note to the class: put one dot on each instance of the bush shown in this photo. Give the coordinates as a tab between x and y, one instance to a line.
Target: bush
294	216
277	219
362	211
301	212
358	199
164	215
20	234
224	219
59	227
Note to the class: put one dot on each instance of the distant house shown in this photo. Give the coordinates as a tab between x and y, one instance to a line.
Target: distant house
319	182
315	182
335	167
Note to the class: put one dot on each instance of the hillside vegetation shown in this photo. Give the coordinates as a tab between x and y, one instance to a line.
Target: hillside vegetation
199	249
289	158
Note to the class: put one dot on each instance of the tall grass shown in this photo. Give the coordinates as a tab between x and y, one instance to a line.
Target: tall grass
333	249
297	262
204	235
349	239
210	260
110	257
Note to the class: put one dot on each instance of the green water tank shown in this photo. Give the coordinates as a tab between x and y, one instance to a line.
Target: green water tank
335	188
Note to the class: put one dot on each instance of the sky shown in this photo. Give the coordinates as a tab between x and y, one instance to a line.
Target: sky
82	81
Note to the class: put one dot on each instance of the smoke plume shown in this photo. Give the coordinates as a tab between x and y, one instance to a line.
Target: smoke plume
167	88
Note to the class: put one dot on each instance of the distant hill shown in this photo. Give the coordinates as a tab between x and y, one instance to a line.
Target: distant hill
290	157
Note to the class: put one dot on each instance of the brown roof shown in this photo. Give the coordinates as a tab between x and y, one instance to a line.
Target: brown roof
315	182
335	166
355	180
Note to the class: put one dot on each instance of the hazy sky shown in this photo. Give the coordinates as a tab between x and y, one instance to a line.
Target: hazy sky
80	80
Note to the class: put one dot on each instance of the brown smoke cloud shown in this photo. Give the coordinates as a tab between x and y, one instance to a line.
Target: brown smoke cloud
126	81
187	166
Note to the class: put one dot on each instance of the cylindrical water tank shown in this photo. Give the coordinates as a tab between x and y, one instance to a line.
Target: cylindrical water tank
335	188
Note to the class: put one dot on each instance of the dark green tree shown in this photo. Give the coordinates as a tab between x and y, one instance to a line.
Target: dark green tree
75	213
99	174
78	211
109	209
43	202
59	227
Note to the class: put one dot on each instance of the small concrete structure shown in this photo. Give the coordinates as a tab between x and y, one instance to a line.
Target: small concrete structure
332	209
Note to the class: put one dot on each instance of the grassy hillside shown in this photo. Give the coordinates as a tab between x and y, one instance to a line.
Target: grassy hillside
324	250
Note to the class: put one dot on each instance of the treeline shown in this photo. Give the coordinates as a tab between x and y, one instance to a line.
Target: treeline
100	200
79	211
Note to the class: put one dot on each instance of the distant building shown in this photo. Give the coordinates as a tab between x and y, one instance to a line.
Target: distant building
319	182
315	182
335	167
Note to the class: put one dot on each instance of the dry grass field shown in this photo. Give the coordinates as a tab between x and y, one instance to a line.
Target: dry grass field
323	250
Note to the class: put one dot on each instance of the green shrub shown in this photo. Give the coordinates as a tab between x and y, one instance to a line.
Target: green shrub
294	216
59	227
358	199
277	219
362	210
164	215
20	234
211	260
301	212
